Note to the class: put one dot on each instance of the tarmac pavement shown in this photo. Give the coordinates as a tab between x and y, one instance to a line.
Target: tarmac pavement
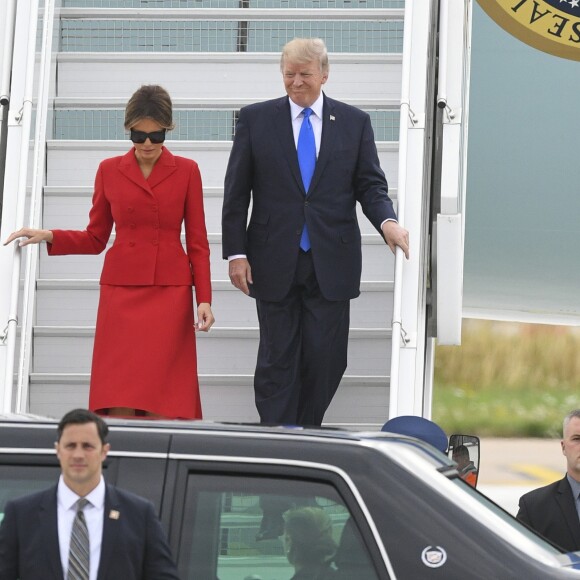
511	467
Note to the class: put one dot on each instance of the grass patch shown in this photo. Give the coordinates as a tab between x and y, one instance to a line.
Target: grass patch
501	412
507	380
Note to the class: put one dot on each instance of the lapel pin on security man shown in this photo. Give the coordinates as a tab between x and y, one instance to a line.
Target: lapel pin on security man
332	118
114	515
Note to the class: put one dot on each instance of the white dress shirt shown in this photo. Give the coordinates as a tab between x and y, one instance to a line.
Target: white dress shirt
94	514
315	119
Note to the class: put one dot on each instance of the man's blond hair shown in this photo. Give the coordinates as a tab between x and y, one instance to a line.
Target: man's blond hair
304	51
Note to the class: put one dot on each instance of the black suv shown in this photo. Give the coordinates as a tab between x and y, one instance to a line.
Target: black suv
398	507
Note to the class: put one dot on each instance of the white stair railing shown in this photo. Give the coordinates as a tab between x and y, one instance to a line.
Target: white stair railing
397	340
38	177
16	185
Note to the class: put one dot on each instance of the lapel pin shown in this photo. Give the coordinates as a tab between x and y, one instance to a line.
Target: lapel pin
114	515
332	118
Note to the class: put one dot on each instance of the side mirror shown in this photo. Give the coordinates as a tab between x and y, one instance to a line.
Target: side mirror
464	450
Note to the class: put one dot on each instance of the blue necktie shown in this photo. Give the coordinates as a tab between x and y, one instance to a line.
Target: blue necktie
307	161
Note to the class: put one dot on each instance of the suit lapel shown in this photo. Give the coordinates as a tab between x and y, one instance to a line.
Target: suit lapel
111	527
568	506
327	140
285	135
48	526
164	167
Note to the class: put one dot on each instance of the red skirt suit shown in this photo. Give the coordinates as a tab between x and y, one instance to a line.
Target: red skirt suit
144	354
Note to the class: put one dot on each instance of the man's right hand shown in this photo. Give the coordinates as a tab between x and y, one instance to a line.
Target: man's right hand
241	274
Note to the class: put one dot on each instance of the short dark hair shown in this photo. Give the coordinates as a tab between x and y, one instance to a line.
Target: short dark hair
81	417
574	414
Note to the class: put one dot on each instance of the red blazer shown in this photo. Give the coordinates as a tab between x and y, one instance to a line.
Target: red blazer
148	214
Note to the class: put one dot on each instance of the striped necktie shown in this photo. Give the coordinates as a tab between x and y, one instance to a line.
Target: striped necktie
307	160
79	553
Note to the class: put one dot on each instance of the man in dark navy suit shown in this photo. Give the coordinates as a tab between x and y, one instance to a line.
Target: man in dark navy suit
554	510
123	537
303	161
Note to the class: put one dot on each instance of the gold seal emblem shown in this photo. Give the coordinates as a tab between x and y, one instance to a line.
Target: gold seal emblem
552	26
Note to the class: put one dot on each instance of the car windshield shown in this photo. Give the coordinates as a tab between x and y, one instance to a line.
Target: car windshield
428	465
505	516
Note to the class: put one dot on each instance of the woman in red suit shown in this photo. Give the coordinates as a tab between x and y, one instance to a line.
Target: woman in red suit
144	357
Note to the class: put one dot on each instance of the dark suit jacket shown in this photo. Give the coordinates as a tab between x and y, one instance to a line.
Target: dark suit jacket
263	167
551	512
148	214
134	546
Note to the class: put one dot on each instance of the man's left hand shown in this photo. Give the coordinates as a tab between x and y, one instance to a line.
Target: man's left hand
395	235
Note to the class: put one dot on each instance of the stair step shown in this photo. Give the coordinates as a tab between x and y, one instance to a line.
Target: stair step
378	261
369	350
360	403
68	208
75	162
188	102
111	74
74	303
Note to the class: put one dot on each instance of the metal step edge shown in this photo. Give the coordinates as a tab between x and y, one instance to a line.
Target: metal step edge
216	238
215	333
87	191
245	14
217	285
206	380
193	103
234	58
104	145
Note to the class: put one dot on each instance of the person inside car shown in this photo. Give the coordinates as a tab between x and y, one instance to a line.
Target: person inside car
308	543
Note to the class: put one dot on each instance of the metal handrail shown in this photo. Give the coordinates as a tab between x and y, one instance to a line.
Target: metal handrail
406	114
25	119
8	51
9	25
38	173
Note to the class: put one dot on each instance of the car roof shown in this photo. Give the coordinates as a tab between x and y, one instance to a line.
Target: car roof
378	439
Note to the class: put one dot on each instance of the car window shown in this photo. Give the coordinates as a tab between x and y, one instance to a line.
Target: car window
143	476
19	480
244	528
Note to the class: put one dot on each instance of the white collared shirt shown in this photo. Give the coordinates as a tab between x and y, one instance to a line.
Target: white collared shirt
94	514
315	119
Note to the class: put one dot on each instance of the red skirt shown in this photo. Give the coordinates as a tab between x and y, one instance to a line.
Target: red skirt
144	355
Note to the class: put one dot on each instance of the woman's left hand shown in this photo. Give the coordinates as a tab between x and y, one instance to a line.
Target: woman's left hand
205	317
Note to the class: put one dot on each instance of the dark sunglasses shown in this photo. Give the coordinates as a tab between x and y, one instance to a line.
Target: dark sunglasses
154	136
